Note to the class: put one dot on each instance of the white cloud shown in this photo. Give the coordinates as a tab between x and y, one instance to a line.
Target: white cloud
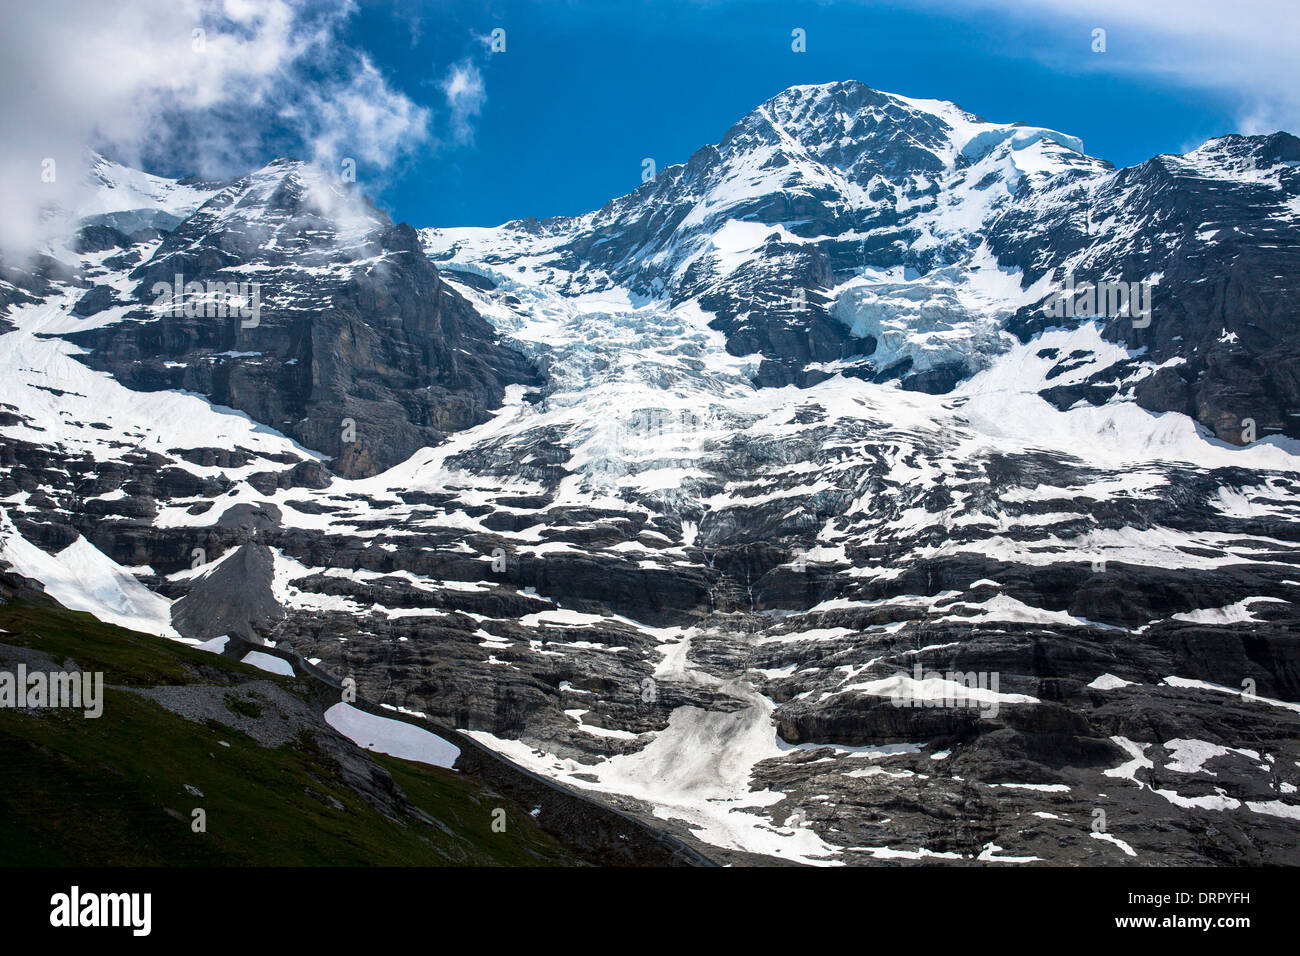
1243	50
363	119
463	87
203	82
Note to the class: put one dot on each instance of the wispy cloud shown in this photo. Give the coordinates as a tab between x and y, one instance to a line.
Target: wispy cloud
466	94
203	81
1244	51
362	118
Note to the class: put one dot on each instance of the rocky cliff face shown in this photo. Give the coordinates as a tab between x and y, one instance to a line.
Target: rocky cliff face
1219	227
818	541
357	349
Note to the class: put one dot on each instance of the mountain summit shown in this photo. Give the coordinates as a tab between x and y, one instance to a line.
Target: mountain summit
899	239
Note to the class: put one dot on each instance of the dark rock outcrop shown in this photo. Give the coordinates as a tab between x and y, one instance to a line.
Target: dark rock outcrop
352	345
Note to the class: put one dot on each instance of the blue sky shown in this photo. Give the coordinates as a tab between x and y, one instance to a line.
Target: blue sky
585	91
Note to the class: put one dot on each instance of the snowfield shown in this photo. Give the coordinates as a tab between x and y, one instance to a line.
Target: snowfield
393	737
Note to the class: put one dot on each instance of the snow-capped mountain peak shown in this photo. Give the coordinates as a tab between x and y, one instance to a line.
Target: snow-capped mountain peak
709	502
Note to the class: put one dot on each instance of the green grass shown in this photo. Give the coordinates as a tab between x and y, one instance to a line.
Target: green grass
111	791
247	708
128	658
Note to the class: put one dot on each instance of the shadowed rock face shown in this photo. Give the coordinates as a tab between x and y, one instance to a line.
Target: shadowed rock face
234	598
1219	227
359	350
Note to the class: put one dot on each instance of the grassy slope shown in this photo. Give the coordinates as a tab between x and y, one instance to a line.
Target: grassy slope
111	791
